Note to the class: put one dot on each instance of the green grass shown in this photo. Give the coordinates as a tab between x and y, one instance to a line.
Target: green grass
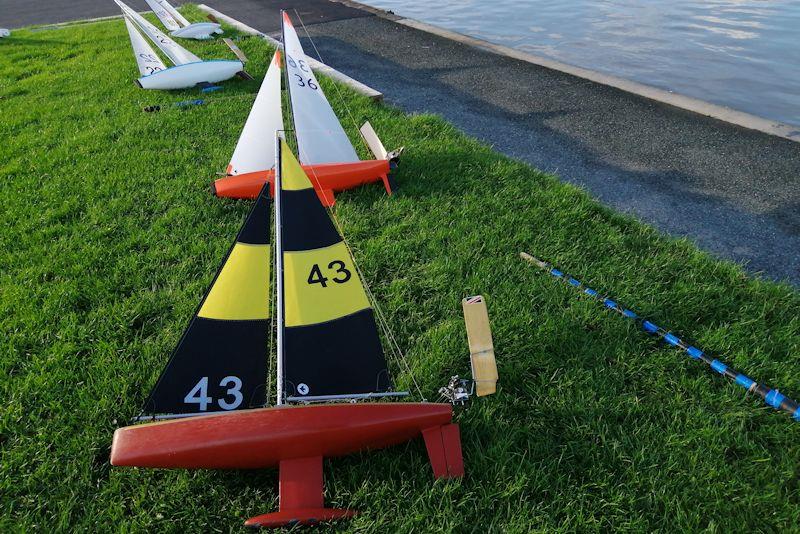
109	237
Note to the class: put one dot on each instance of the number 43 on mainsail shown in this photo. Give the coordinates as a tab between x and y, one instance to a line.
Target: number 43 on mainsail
328	350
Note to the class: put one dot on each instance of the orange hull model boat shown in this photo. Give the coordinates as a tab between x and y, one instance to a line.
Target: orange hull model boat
294	439
330	177
324	149
208	408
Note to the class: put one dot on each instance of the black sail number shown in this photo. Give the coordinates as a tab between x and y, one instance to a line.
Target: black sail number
342	274
294	64
316	277
302	82
340	269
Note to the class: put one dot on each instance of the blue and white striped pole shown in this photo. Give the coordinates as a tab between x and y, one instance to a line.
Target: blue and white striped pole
771	396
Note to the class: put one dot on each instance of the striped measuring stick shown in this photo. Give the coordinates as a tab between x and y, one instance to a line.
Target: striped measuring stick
772	397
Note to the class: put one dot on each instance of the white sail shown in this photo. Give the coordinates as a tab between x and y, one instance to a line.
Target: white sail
320	136
172	11
255	151
146	58
175	52
163	15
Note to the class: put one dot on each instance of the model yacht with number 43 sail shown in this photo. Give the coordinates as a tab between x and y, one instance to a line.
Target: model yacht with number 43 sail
324	149
207	409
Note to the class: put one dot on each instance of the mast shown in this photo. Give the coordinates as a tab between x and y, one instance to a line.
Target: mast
279	269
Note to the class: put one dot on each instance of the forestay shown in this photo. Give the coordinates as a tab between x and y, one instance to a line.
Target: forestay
175	52
320	136
163	15
255	150
146	58
220	363
329	344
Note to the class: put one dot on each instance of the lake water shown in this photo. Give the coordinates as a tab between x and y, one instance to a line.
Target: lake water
744	54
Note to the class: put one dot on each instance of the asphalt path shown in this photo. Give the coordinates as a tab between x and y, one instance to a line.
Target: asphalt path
19	13
734	192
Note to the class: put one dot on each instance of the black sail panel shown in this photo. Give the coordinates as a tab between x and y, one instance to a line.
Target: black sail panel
220	363
205	375
337	358
330	341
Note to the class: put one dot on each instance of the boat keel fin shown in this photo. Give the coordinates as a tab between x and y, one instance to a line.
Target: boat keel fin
300	484
301	497
444	450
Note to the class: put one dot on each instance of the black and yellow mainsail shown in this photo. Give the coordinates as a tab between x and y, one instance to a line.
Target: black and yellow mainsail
220	363
328	344
328	341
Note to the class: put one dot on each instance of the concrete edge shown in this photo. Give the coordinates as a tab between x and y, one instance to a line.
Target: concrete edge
701	107
313	63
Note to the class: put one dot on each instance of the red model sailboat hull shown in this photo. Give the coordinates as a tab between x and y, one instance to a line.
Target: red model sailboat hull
250	439
326	179
295	439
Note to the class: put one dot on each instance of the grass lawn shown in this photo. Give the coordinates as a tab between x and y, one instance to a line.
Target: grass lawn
109	236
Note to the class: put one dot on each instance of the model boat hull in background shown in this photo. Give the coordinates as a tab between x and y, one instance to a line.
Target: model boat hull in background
197	30
326	178
191	74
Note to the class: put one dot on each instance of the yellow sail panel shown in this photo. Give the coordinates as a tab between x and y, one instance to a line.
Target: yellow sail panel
321	285
293	177
241	290
481	348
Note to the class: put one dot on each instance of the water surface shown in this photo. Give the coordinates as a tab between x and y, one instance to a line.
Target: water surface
744	54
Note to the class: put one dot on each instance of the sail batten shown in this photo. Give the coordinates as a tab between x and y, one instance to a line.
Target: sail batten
320	136
329	343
